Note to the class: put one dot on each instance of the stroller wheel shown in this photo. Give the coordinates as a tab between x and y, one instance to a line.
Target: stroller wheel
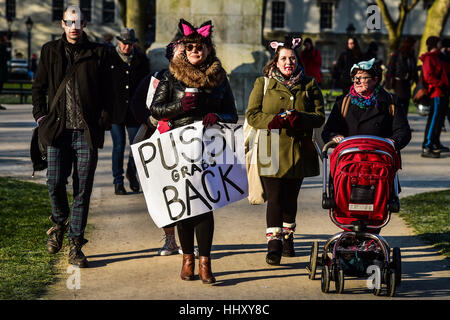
325	279
396	263
391	283
339	280
313	260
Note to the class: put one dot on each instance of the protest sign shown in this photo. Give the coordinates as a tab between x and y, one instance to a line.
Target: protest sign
191	170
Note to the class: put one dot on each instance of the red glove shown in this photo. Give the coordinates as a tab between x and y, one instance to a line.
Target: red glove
163	126
189	102
294	120
210	119
278	122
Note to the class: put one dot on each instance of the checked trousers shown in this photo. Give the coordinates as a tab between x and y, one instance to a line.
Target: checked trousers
71	151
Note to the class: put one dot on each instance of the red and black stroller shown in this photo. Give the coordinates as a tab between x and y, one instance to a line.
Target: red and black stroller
361	193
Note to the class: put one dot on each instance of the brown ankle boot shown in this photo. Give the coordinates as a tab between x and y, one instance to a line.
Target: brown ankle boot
187	269
204	270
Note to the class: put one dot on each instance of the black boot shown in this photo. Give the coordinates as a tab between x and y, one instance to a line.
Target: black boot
76	256
119	189
288	239
288	246
274	251
134	183
56	236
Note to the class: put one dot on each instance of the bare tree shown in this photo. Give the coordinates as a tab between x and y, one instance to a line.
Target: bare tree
436	19
395	28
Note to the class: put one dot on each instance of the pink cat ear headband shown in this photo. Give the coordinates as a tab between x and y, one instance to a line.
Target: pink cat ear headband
295	43
187	28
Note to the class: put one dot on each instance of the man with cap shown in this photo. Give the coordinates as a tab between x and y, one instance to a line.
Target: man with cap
127	67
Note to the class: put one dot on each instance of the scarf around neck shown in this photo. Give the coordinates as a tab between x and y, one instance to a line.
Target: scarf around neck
293	80
364	102
207	76
126	58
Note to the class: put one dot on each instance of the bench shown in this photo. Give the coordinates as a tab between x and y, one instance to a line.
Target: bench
18	87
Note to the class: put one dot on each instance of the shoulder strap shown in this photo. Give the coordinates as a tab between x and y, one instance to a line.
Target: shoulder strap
266	84
62	86
345	104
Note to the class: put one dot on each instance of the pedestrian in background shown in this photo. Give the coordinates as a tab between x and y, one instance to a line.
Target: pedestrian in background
341	71
311	61
445	58
4	57
402	72
287	100
72	74
140	106
127	66
435	77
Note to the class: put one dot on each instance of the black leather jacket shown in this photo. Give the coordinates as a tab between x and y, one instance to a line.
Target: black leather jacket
167	102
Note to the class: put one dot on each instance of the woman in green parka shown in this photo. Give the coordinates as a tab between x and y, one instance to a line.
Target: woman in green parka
287	105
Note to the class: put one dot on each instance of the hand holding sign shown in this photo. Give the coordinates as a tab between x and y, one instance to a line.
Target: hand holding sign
191	170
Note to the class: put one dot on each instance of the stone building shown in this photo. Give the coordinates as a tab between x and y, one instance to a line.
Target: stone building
243	29
103	17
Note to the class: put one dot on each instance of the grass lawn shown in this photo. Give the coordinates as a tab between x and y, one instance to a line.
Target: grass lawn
26	268
429	214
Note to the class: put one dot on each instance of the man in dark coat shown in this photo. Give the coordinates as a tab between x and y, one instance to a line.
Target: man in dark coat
128	66
70	126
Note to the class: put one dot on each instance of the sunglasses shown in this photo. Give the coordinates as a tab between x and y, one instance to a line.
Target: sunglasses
190	47
69	23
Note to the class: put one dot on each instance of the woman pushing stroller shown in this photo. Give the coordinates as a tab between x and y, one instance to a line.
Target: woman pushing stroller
367	109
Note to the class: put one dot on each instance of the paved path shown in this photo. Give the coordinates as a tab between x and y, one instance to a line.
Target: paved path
123	240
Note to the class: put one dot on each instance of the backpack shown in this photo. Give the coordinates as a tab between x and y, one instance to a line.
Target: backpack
421	95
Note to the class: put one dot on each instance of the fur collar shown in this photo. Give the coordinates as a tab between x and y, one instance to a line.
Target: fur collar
209	75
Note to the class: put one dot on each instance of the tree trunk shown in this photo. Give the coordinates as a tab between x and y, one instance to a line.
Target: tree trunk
436	19
123	11
395	28
136	11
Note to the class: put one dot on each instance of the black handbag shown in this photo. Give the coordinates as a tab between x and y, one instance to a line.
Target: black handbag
38	152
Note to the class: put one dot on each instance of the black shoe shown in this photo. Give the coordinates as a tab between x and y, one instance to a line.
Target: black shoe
119	189
56	236
288	246
134	183
274	252
76	256
442	148
430	153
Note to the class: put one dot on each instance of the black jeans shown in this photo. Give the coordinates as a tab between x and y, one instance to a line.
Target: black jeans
282	197
203	226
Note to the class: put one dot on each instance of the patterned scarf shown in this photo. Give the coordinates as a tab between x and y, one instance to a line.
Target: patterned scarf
364	102
288	82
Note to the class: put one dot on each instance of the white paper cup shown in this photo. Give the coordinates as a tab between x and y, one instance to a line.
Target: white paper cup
190	92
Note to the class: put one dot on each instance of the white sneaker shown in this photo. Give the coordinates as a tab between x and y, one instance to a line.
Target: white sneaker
169	247
196	254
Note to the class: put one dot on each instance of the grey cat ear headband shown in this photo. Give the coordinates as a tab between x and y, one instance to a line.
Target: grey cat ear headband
295	43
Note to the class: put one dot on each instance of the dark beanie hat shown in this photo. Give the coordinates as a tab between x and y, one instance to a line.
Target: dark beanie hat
446	43
432	42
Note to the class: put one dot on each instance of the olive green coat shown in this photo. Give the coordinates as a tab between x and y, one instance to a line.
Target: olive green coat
297	154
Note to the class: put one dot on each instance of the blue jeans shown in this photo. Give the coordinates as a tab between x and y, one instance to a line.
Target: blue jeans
119	142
